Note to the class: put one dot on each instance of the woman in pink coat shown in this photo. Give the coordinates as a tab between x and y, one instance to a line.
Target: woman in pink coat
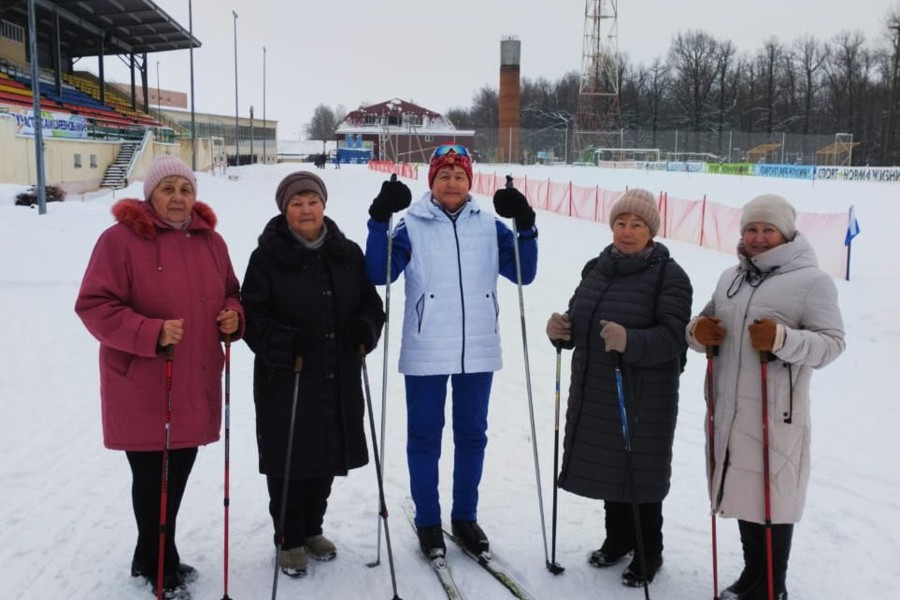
160	277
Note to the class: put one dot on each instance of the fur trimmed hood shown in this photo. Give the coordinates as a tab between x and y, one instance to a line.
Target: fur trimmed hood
140	217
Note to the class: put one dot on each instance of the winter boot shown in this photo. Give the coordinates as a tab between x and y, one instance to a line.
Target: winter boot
174	584
431	541
187	573
320	547
471	535
781	550
608	554
753	545
632	574
173	587
293	561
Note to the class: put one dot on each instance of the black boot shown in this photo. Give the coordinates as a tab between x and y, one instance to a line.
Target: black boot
758	589
608	554
632	574
471	535
753	544
431	540
652	543
617	522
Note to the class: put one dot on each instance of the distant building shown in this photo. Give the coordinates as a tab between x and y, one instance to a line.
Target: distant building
399	131
156	96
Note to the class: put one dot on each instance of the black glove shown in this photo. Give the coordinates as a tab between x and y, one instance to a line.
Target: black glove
362	334
512	204
393	197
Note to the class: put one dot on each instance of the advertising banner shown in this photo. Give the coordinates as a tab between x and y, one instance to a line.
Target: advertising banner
54	124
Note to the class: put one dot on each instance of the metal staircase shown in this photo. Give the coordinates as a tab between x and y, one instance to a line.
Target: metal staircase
115	174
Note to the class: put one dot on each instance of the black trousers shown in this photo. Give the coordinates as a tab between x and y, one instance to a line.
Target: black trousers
305	509
753	543
146	491
620	526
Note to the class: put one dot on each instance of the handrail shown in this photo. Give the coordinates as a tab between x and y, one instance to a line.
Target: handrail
137	152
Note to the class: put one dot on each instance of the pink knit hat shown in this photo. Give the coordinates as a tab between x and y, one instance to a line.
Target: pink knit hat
162	167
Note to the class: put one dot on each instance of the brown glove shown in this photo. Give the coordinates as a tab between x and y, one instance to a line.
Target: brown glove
762	335
614	335
559	328
708	332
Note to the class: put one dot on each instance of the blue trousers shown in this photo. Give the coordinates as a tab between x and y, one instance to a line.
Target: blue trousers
425	400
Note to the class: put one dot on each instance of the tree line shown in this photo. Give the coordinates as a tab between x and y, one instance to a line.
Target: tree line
845	84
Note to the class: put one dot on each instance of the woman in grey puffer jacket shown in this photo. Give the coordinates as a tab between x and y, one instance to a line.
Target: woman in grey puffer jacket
774	301
631	305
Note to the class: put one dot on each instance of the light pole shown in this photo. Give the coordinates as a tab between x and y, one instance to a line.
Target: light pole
237	145
158	96
251	134
264	133
193	121
36	107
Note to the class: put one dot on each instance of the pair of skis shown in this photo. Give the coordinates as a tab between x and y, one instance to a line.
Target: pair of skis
486	560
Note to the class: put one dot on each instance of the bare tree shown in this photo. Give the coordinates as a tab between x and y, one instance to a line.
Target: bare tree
847	73
324	124
892	22
809	55
460	118
726	88
768	61
485	111
692	58
658	83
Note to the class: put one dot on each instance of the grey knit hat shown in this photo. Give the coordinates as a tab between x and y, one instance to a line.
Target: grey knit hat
164	166
772	209
640	202
297	183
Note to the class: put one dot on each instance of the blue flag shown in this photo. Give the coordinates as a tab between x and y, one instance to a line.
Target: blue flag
852	227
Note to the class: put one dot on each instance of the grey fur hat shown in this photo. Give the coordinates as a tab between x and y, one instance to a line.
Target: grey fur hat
297	183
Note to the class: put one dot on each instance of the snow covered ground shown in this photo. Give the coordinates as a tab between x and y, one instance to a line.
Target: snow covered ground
67	527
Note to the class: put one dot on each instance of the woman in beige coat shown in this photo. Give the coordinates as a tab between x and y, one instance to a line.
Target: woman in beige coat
775	300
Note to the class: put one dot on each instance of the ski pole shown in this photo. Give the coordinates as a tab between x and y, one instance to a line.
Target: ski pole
764	376
384	366
227	499
164	491
279	534
710	423
629	470
381	503
554	566
537	467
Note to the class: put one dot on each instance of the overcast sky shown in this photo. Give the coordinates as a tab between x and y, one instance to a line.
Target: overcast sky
438	54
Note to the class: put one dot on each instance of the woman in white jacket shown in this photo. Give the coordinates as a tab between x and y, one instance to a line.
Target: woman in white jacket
775	301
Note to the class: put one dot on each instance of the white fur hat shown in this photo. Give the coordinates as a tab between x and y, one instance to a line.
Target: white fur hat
773	209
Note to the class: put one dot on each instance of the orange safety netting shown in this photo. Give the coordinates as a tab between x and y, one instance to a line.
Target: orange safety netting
696	221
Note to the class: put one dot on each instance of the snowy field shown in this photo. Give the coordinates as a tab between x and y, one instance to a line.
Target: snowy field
67	525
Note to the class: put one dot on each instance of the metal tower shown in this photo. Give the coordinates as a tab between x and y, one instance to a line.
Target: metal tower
598	121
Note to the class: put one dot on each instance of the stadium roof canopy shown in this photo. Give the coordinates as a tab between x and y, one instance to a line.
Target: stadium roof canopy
125	26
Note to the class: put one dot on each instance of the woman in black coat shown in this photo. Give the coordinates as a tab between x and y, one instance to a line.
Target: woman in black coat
631	306
306	294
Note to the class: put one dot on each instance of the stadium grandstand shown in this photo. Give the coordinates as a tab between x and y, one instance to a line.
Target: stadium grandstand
81	114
